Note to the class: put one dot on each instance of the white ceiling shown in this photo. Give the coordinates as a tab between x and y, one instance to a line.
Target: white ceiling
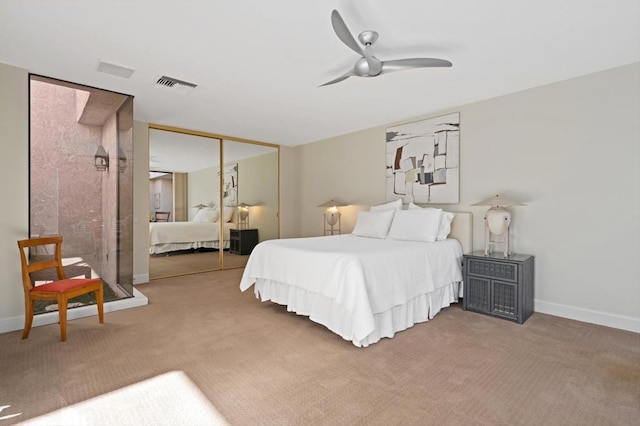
258	63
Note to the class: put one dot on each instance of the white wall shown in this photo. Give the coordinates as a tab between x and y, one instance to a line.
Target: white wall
289	212
203	189
140	202
258	187
569	150
14	172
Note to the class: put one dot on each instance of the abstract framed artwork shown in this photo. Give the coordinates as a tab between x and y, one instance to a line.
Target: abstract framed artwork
230	185
423	161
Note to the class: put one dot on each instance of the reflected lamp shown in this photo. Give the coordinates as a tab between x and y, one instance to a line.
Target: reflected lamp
101	159
496	223
243	216
122	160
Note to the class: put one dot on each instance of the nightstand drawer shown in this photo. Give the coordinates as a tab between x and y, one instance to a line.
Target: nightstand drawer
493	269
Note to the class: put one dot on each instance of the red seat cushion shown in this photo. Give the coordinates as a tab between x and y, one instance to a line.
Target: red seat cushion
64	285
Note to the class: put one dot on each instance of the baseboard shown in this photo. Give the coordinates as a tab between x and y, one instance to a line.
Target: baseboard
17	323
587	315
140	279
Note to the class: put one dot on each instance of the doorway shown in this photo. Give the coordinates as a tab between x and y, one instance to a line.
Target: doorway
81	181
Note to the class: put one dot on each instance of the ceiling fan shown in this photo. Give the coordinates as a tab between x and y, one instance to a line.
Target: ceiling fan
368	65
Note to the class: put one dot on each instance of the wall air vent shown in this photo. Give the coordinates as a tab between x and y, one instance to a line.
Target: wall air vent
174	85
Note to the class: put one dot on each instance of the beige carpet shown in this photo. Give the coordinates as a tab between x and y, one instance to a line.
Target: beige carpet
184	263
168	399
260	365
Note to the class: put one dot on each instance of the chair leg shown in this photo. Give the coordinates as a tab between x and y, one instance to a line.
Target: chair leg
100	303
28	316
62	312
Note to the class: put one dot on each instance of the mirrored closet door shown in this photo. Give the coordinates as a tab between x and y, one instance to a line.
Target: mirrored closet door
211	200
254	171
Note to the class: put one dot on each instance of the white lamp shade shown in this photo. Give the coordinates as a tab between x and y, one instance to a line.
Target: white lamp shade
332	203
498	201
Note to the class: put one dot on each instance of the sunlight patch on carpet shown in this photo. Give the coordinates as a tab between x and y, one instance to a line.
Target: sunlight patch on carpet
168	399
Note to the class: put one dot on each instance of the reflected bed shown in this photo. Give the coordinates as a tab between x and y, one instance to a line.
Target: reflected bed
165	237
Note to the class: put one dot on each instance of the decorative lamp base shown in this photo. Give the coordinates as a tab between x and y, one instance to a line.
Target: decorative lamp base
331	223
496	229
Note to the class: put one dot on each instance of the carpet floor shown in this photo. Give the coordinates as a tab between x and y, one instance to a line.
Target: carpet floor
258	364
190	262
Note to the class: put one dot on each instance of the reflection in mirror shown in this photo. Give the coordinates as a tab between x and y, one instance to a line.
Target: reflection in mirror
184	213
253	200
215	215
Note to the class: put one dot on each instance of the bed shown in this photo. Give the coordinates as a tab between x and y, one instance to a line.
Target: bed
165	237
361	288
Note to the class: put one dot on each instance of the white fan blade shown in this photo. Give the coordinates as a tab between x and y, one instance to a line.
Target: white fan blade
406	64
344	76
343	32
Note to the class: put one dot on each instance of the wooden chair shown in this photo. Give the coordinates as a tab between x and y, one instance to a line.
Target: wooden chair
60	290
162	216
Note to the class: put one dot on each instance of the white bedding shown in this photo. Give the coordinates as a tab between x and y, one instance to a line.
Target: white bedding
360	288
171	236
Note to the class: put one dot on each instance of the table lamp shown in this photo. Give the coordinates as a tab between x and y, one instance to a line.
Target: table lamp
332	216
243	216
496	222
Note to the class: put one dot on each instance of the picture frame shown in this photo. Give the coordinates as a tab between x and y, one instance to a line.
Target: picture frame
423	161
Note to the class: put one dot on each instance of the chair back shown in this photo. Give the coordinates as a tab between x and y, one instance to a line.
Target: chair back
162	216
39	265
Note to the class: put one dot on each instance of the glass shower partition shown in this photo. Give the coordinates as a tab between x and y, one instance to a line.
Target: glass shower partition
81	181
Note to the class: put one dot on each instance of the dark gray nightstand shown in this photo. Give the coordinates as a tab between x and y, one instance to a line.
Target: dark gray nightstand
242	241
499	286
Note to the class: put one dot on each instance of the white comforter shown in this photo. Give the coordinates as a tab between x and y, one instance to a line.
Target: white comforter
363	276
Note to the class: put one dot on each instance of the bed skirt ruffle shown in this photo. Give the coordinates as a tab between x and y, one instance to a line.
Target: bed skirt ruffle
169	247
336	318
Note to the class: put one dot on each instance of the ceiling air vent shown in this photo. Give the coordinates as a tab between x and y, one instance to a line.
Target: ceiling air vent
114	69
174	85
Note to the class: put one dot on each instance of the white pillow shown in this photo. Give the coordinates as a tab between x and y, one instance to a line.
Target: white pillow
373	224
228	212
392	205
206	215
415	225
445	221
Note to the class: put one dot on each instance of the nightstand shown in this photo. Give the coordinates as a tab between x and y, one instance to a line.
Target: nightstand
499	286
242	241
